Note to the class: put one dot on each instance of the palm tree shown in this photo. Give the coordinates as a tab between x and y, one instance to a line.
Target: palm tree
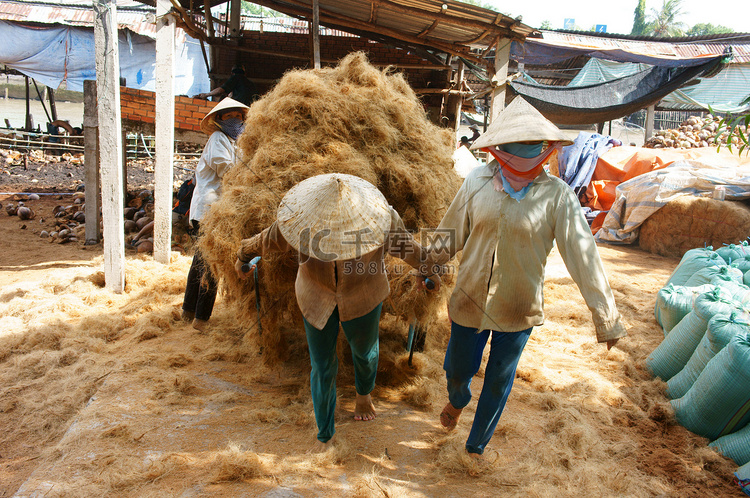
664	22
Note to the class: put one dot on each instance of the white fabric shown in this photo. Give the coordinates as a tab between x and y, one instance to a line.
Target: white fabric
464	161
54	54
642	196
218	156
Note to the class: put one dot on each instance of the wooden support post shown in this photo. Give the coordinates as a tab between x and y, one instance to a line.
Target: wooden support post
315	31
502	57
235	22
164	123
91	162
649	124
52	106
28	123
110	141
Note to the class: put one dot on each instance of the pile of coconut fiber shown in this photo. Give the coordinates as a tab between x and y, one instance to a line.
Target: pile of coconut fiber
353	119
688	222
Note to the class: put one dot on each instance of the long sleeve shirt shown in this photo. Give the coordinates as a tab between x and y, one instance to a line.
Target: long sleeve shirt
505	247
356	286
218	156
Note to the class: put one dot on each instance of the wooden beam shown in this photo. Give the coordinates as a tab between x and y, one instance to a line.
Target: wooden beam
315	31
91	163
164	131
429	29
209	18
373	12
502	58
110	141
235	21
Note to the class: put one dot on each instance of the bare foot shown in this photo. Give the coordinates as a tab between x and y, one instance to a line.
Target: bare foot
363	407
449	416
320	447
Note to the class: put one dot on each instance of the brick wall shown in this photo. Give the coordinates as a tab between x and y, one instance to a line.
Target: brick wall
138	106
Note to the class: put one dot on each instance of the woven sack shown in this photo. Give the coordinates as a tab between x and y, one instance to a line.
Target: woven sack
715	274
719	331
673	302
731	252
735	445
742	264
719	401
743	478
675	350
692	261
746	278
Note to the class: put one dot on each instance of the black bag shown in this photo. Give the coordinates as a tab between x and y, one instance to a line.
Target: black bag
184	196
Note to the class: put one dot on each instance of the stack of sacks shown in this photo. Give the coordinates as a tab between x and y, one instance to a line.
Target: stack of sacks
705	355
743	478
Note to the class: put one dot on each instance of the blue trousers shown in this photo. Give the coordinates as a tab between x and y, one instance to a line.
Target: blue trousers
362	334
462	361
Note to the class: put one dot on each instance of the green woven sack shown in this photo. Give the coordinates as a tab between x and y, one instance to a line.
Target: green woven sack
692	261
719	331
735	445
673	302
719	401
731	252
742	264
675	350
715	275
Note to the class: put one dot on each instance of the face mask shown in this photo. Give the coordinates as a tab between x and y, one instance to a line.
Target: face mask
232	127
522	150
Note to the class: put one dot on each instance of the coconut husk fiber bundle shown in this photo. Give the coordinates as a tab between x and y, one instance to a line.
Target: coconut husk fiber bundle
688	222
353	119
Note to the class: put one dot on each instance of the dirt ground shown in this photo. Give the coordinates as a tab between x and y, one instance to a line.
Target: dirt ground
105	394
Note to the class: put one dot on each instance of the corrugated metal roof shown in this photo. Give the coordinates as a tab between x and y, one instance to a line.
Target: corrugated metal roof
286	25
445	25
131	15
686	47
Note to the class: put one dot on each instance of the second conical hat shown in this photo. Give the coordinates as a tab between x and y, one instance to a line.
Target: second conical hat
207	124
334	217
520	122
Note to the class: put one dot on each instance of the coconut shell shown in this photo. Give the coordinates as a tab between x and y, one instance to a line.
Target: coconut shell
145	246
25	213
129	212
142	222
11	209
130	226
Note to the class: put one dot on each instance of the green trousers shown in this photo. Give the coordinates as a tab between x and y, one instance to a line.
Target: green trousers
362	335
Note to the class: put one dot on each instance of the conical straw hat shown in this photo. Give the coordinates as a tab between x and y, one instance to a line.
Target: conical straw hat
520	122
334	217
207	124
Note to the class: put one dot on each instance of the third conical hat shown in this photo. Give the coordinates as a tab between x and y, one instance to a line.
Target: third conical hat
334	217
520	122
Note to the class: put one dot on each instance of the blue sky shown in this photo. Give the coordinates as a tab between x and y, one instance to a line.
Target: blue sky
618	15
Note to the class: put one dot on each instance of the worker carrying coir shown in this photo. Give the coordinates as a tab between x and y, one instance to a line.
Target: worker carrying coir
505	218
342	227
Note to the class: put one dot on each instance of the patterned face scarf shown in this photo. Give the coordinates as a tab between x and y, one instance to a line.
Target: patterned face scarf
520	164
232	127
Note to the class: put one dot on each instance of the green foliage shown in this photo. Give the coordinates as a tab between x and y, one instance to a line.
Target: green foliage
484	5
702	29
664	23
639	19
253	9
736	126
546	25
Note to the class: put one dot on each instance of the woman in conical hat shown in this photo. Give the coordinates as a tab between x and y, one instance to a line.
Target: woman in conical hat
341	226
505	218
222	124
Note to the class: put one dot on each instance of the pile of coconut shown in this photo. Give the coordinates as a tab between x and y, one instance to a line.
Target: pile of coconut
353	119
696	131
68	221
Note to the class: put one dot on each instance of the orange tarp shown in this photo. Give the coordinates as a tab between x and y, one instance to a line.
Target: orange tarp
620	164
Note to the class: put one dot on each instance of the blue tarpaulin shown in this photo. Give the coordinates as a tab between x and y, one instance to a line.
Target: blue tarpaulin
58	53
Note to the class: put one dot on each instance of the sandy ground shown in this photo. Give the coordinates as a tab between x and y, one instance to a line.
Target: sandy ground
106	394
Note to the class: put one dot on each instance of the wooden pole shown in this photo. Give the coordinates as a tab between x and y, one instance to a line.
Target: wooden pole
316	33
164	124
91	162
235	24
27	125
110	141
502	57
52	105
649	124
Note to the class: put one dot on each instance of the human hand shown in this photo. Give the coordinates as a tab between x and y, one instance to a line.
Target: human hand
238	268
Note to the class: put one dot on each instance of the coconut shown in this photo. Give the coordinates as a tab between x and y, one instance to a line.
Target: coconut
11	209
25	213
